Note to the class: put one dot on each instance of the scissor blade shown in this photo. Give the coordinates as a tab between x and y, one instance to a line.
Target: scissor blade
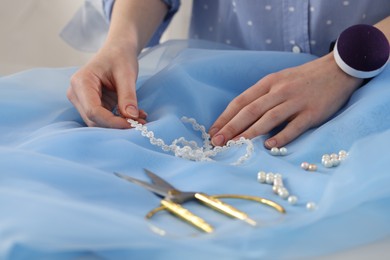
158	180
161	191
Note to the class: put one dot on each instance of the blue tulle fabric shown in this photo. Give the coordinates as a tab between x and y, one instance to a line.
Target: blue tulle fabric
59	198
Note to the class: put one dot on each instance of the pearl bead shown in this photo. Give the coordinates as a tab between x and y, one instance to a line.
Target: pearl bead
276	188
275	151
292	199
312	167
305	165
278	181
311	206
269	178
278	176
335	162
327	163
283	193
343	153
283	151
261	176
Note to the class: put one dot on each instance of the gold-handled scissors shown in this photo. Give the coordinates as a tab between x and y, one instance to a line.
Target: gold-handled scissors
172	199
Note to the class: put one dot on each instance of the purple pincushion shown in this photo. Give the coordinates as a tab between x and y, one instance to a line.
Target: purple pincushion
362	51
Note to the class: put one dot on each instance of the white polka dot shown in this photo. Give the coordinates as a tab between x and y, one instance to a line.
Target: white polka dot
364	16
312	9
296	49
234	10
219	19
329	22
205	7
313	42
250	23
228	41
292	42
268	41
211	28
234	3
345	3
268	7
291	9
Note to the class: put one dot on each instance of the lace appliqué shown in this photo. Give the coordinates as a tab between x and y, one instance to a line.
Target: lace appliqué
190	150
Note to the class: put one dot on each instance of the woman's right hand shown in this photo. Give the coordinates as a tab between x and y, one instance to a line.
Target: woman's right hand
106	81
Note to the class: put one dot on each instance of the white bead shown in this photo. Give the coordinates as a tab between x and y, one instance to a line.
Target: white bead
278	181
311	206
343	153
335	162
276	188
269	178
292	199
278	176
283	151
312	167
327	163
261	176
305	165
274	151
283	193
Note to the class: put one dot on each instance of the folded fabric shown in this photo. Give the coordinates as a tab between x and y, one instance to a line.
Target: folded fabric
59	198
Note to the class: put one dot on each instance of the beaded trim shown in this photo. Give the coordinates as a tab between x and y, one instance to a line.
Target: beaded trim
190	150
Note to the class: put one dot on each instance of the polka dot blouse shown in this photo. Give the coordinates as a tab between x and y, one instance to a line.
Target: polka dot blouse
284	25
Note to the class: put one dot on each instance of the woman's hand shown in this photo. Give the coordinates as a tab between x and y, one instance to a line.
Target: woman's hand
302	97
95	88
109	78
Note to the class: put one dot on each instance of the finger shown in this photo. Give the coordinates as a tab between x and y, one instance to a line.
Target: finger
234	107
245	118
291	131
271	119
127	99
101	117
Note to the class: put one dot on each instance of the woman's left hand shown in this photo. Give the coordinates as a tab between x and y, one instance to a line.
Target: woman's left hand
302	97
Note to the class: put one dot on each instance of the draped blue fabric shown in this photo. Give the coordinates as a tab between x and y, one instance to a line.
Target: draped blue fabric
60	200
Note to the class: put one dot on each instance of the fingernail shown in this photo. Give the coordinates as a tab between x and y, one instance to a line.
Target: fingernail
213	131
132	111
270	143
218	140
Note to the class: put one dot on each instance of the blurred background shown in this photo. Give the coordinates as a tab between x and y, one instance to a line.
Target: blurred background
29	32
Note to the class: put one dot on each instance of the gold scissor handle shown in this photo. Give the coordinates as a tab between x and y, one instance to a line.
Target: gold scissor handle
184	214
227	209
261	200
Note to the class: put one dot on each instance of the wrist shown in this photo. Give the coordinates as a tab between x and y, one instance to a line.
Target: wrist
349	82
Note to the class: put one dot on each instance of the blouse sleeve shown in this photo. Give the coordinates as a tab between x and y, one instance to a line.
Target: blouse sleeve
173	7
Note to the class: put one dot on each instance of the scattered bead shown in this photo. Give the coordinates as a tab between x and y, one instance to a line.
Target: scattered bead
283	193
311	206
278	151
292	199
261	177
333	159
274	151
276	188
308	166
269	178
312	167
283	151
305	165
